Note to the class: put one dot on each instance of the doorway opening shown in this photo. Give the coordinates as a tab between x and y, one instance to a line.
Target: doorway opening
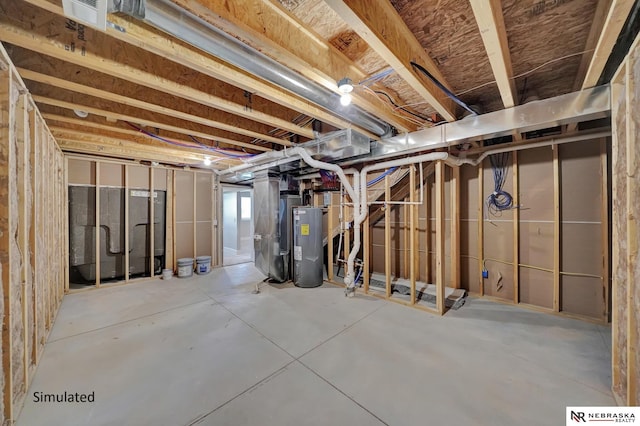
237	225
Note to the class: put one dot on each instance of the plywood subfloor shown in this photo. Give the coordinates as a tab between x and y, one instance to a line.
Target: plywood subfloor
206	351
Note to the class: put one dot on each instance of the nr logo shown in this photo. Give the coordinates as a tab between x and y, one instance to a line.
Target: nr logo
577	416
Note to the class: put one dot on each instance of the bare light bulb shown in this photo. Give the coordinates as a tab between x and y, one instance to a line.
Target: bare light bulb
345	99
207	161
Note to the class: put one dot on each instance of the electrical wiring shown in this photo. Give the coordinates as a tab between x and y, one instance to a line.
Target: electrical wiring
442	87
480	86
222	151
377	77
382	176
499	199
187	145
394	109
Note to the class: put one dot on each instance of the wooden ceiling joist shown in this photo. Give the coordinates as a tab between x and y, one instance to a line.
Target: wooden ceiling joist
79	88
126	150
490	21
617	16
281	36
154	124
142	36
63	123
21	35
378	23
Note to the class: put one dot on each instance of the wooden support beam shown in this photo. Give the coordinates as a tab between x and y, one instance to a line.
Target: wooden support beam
455	227
631	215
616	17
7	159
65	209
387	236
412	232
139	121
16	31
36	172
599	17
283	37
557	292
440	260
481	226
78	127
380	25
147	106
131	32
516	228
490	22
23	135
604	227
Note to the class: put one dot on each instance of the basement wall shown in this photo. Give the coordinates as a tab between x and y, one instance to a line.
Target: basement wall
549	254
625	103
32	224
190	210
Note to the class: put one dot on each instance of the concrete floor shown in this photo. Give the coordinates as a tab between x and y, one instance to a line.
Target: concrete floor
206	351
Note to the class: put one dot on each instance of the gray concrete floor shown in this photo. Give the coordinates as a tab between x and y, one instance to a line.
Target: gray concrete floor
206	351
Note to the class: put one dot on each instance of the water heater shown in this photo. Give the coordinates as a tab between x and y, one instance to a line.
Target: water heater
307	247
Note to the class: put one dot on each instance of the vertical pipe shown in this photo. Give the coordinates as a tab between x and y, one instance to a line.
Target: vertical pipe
405	245
412	231
516	229
195	205
481	226
330	226
440	229
366	253
427	232
387	236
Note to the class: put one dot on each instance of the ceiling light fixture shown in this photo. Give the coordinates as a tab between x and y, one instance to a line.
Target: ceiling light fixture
207	161
80	113
345	87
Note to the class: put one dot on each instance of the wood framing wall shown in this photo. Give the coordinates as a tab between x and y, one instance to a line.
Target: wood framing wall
550	254
191	228
625	103
32	242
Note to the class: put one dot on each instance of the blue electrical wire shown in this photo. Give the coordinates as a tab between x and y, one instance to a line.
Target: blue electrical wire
499	199
186	145
442	87
382	176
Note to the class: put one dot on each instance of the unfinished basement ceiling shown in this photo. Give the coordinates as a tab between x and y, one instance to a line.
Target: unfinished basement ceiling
138	83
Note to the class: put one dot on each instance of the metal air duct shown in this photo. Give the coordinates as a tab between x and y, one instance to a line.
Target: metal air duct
172	19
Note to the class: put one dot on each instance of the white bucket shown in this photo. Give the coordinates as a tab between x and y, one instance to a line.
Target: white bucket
185	267
167	274
203	265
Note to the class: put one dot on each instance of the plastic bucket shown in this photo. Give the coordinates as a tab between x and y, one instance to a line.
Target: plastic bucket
203	265
167	274
185	267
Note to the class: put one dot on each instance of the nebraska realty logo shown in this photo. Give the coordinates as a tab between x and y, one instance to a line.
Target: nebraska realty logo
578	415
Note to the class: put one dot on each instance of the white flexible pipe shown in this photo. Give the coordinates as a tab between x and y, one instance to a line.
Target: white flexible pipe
361	208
